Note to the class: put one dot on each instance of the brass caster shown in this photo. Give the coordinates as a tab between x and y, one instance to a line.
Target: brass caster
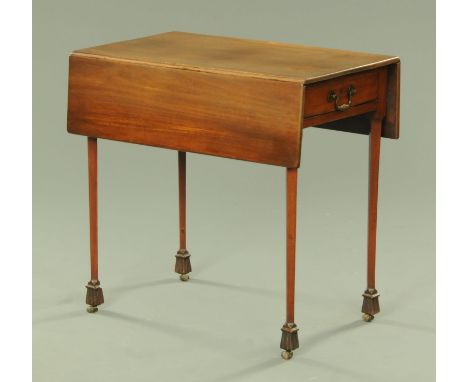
287	354
184	277
92	309
367	317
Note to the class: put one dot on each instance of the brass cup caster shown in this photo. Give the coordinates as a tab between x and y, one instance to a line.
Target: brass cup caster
184	277
92	309
287	354
367	317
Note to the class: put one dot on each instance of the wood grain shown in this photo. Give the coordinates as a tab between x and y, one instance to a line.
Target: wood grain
182	199
374	158
291	208
316	95
391	123
244	118
230	97
386	83
342	117
93	207
242	57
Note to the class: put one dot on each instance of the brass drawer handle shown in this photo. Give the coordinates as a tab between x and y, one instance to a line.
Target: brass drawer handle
333	97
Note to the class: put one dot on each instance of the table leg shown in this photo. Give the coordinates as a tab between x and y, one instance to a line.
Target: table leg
370	305
182	266
94	295
289	338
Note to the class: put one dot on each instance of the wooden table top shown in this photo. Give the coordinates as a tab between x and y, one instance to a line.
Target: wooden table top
228	97
252	58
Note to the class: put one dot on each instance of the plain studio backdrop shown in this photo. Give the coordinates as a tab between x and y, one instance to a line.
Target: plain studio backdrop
224	325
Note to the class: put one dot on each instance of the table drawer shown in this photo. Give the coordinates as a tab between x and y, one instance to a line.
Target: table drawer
340	95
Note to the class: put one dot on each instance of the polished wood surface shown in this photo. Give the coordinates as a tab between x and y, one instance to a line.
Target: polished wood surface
93	206
316	95
374	158
233	98
382	110
327	118
391	123
182	161
244	118
384	92
242	99
236	56
291	208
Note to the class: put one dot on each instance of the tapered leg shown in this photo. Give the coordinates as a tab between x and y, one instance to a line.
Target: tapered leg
94	295
289	338
182	266
370	305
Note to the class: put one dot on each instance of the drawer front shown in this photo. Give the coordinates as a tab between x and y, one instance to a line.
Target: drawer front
340	95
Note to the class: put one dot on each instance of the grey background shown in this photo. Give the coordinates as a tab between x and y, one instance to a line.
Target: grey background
224	325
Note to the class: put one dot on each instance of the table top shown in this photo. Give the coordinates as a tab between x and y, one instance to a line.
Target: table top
223	96
252	58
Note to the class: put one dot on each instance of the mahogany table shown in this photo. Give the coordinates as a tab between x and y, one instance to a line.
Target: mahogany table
233	98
